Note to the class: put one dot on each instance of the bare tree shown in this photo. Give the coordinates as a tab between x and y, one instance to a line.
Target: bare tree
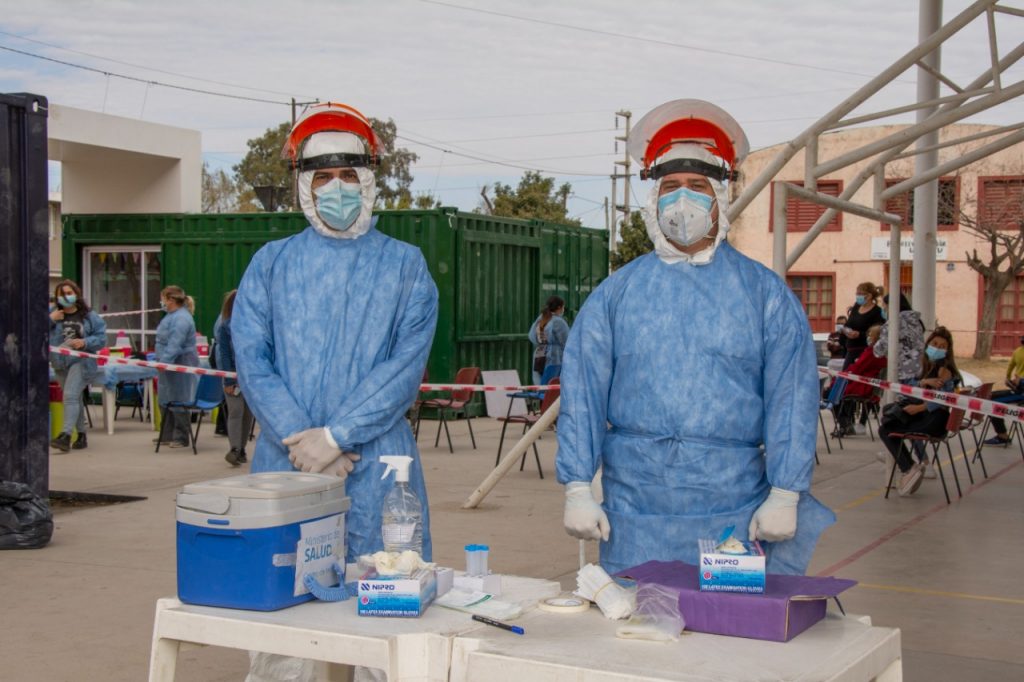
997	222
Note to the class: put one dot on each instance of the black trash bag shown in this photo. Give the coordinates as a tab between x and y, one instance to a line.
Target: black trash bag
25	518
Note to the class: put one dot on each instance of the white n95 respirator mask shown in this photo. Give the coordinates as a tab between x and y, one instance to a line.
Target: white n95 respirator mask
685	215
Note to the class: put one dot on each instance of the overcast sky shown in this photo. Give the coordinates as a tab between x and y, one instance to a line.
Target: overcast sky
530	83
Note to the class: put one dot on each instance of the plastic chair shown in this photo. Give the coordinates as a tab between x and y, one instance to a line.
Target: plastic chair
956	417
456	404
536	396
528	420
209	394
831	403
129	394
970	423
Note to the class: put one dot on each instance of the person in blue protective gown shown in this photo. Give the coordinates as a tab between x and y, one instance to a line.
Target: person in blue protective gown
176	345
690	376
332	328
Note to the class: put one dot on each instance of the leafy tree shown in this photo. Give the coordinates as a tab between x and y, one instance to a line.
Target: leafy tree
535	197
262	166
426	201
635	241
219	194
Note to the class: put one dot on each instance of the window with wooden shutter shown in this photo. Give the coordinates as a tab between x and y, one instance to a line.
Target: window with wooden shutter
946	210
816	292
801	215
1001	202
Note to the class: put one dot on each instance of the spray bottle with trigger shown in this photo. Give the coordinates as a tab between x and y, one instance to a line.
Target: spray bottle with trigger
402	514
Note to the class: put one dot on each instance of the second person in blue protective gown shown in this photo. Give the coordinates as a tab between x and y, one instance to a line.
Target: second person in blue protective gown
689	377
332	328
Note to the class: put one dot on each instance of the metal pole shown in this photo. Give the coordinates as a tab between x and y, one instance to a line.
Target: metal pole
893	348
482	490
779	225
625	164
615	208
926	196
295	172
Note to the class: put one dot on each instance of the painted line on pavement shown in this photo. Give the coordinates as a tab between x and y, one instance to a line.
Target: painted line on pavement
941	593
889	535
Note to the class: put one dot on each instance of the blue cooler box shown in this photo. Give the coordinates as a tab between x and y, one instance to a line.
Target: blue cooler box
237	536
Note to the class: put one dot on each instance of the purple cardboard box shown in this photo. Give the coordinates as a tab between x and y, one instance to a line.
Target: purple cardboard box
789	605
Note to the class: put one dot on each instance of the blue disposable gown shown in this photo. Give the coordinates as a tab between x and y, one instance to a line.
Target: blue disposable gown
674	378
176	344
336	332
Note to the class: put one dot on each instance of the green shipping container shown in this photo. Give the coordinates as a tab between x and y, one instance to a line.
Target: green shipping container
493	274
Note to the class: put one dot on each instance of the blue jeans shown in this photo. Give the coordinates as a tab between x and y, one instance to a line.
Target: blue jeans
73	381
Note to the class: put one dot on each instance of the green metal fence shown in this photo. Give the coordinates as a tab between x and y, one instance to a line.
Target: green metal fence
493	274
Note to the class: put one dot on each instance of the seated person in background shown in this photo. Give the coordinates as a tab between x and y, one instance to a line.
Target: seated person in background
836	345
938	371
867	365
1014	372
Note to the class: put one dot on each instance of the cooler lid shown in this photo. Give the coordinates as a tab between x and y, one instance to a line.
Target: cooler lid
267	485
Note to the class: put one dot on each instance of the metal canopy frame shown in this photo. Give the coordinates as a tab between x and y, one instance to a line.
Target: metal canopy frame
982	94
934	113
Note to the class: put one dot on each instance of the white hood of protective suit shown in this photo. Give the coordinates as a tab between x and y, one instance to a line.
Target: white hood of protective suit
666	252
337	143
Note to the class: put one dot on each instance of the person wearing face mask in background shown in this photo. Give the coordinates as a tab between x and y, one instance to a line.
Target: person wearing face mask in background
690	374
74	325
1013	394
938	371
861	316
548	335
332	328
176	345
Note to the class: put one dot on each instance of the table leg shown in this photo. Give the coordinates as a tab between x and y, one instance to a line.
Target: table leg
894	673
334	672
163	660
108	410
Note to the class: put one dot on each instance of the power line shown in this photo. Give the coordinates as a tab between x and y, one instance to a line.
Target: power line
142	80
149	68
497	163
655	41
523	137
537	158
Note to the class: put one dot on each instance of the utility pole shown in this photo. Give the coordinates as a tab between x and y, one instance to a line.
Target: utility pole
295	171
625	175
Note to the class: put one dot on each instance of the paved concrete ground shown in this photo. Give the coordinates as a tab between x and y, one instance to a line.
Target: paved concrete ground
82	608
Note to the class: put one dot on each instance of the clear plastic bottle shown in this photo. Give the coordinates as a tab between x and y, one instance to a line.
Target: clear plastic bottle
402	513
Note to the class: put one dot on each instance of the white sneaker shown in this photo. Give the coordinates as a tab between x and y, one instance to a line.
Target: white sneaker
929	471
860	429
910	481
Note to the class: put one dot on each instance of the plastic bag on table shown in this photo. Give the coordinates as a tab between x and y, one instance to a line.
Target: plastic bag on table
25	518
656	617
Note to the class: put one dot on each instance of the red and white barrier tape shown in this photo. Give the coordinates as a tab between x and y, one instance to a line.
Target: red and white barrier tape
990	408
130	312
162	366
167	367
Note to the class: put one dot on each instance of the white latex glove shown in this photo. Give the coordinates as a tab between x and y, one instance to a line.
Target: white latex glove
310	450
584	517
775	519
342	466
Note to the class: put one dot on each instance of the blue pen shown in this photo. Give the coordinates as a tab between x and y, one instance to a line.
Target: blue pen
498	624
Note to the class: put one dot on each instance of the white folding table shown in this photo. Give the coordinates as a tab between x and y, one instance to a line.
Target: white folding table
407	649
584	648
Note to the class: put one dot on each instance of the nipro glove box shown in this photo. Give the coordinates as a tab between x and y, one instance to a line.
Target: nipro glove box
238	536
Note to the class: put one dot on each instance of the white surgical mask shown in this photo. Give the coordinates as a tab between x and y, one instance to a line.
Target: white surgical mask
685	215
339	203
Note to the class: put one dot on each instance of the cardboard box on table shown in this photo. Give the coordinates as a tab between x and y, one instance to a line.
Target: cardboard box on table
789	605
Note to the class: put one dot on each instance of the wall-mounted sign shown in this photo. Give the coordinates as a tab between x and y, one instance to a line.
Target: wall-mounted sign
880	249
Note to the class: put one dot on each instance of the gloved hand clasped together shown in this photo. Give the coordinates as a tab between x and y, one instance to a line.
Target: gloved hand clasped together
313	451
775	519
584	518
